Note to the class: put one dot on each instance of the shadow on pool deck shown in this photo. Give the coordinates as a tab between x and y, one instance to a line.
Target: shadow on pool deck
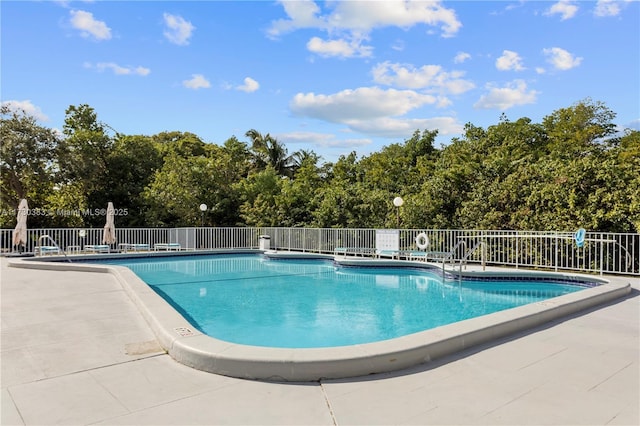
67	359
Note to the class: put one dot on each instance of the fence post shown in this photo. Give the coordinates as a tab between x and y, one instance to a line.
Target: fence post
517	249
601	254
555	259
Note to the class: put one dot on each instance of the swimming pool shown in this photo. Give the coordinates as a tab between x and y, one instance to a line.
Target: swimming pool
189	346
301	303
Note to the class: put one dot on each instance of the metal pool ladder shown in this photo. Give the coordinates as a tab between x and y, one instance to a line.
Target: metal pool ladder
48	237
471	251
467	253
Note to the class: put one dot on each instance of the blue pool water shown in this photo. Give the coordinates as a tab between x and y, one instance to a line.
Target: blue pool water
251	300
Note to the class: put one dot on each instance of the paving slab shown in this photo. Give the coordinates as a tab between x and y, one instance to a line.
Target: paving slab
156	381
71	399
9	414
242	403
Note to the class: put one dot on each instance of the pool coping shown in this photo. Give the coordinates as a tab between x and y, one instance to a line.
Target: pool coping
190	347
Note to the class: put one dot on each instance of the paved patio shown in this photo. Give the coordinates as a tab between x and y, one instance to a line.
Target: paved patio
75	350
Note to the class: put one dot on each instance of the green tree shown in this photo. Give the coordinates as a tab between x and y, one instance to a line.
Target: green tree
179	187
297	199
496	191
259	194
27	155
628	152
629	147
267	151
131	165
570	170
396	170
239	157
338	202
226	166
302	157
439	200
83	157
184	144
175	192
579	129
65	204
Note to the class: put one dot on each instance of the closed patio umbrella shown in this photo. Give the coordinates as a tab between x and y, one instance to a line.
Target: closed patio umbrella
109	235
20	231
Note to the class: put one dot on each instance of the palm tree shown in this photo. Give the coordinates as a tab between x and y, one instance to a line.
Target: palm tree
301	157
267	151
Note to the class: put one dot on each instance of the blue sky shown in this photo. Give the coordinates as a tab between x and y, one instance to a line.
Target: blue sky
332	77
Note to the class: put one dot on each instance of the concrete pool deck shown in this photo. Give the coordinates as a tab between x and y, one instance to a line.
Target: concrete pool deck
188	345
76	350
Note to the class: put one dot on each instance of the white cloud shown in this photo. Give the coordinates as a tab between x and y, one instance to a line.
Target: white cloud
67	3
503	98
561	59
634	124
401	128
363	17
374	111
359	104
605	8
398	45
341	48
119	70
513	6
250	85
461	57
431	77
302	14
27	107
349	22
443	102
88	26
321	140
198	81
565	8
141	71
178	30
509	61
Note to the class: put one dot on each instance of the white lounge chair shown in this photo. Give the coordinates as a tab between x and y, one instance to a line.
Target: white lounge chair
42	250
98	248
393	254
167	246
133	247
353	251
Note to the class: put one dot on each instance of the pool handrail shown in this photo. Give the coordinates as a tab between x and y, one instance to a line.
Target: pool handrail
48	237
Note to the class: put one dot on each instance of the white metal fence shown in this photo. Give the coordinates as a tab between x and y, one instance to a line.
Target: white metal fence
610	253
